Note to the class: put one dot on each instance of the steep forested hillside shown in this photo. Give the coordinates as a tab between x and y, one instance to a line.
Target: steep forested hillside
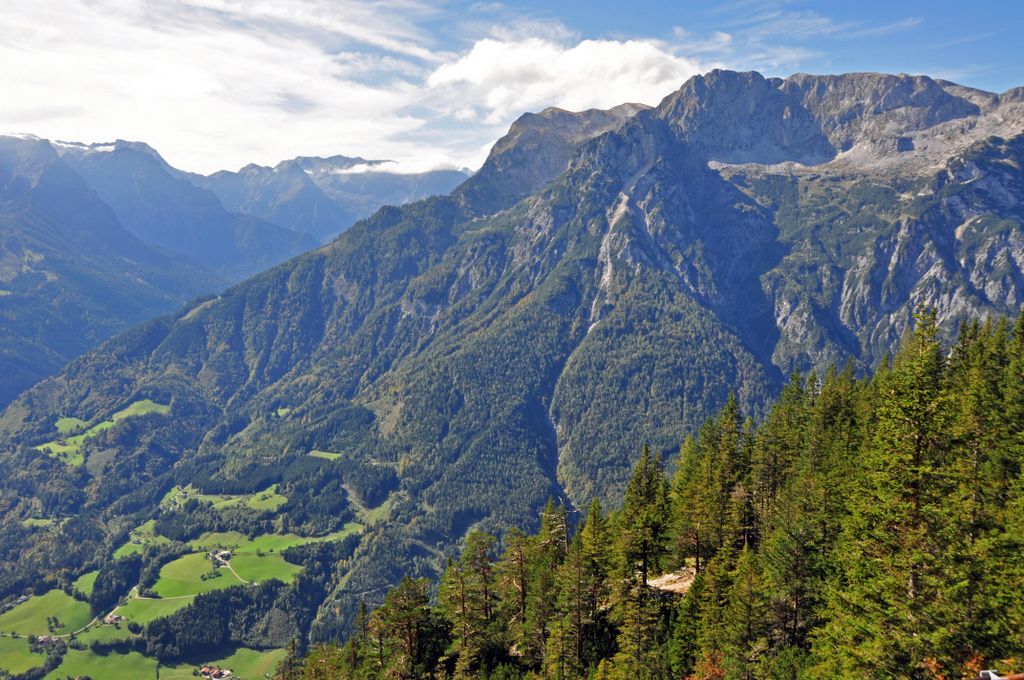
155	203
70	275
606	279
865	529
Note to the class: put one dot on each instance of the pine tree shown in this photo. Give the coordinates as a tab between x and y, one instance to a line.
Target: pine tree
513	573
778	445
597	558
467	597
642	527
886	607
291	666
644	520
745	620
403	624
549	550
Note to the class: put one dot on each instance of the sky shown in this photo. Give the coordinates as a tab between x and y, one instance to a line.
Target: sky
218	84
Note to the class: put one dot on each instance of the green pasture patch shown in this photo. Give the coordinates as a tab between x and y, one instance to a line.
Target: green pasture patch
267	500
141	408
256	568
191	575
30	618
145	610
85	582
67	449
239	544
102	632
139	537
37	522
326	455
83	663
67	426
16	657
245	664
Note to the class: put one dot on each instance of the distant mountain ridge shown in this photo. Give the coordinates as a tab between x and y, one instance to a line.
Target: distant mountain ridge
129	221
161	207
322	196
607	279
70	275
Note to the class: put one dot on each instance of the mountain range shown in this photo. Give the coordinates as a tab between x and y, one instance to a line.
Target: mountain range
605	280
128	237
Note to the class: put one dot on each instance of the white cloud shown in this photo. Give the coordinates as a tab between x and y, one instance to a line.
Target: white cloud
503	78
221	83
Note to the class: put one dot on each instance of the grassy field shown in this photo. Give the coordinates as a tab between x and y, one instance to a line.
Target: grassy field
29	618
256	568
184	576
68	448
105	633
371	516
83	663
68	426
326	455
245	664
85	582
143	611
240	544
15	656
269	499
139	537
141	408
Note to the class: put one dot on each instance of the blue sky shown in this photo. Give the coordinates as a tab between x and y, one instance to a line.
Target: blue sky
219	83
976	43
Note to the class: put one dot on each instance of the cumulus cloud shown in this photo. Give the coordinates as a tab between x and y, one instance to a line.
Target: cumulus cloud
220	83
499	78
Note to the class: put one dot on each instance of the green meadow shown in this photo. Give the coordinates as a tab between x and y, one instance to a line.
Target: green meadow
16	657
144	610
240	544
245	664
267	500
37	522
105	633
68	448
85	582
256	568
67	426
30	618
139	537
83	663
191	575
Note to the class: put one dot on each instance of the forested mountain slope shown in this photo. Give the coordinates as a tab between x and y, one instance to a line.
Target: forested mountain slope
865	529
608	278
159	206
70	275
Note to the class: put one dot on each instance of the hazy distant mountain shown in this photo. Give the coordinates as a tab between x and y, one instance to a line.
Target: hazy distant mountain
70	275
605	280
153	201
322	196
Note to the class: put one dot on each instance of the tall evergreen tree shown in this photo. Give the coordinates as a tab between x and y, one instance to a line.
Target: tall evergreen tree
886	608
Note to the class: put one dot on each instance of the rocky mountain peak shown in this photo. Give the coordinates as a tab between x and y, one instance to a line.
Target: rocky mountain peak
733	117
